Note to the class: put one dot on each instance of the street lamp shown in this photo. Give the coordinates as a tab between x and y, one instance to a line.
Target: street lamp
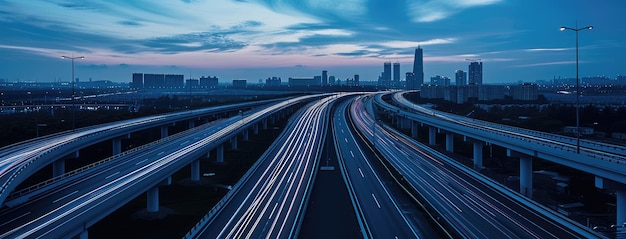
73	89
577	84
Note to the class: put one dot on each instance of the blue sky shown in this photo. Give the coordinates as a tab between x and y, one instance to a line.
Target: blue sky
518	40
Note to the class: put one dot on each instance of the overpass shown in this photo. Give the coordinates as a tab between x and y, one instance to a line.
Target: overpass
84	198
465	203
607	162
19	161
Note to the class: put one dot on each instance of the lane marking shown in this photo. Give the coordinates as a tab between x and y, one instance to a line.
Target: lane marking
141	161
346	139
375	200
55	201
112	175
162	152
9	221
361	173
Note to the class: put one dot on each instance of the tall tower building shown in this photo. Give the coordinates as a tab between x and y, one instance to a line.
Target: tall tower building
460	78
410	81
324	77
396	74
475	73
386	80
418	67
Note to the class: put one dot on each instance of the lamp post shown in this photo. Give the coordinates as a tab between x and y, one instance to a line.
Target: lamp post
576	29
73	89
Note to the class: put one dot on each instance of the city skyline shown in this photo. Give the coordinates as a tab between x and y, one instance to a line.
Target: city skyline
517	41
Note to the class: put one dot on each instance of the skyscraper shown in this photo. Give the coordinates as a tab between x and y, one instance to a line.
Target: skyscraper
324	77
418	68
460	78
396	74
475	73
386	80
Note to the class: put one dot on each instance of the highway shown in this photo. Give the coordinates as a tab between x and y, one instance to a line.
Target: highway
69	206
378	214
19	161
269	202
592	148
469	204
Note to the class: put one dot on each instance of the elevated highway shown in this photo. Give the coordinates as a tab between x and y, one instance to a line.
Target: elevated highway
19	161
66	208
466	203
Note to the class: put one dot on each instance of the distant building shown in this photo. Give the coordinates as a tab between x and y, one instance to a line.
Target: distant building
526	91
475	73
385	80
460	78
418	68
432	92
240	83
411	82
491	92
274	81
209	82
302	81
154	81
173	81
317	80
356	80
324	77
137	81
192	84
440	80
396	74
331	80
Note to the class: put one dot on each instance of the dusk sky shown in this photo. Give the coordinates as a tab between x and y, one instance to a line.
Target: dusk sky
518	40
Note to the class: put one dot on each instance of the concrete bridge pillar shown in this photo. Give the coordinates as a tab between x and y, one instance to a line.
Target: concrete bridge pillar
58	167
153	199
525	172
117	144
621	207
414	129
264	122
195	170
273	118
255	129
245	134
449	142
478	155
432	135
233	143
164	131
191	123
620	197
220	153
153	195
83	235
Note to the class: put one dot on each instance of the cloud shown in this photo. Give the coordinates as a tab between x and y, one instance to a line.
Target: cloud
435	10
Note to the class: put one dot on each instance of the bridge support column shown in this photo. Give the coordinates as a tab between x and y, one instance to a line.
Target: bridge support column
432	135
414	129
233	143
195	170
191	123
450	142
264	122
164	131
153	195
525	172
273	118
58	167
620	197
621	207
83	235
153	199
220	153
478	155
255	129
245	134
117	144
